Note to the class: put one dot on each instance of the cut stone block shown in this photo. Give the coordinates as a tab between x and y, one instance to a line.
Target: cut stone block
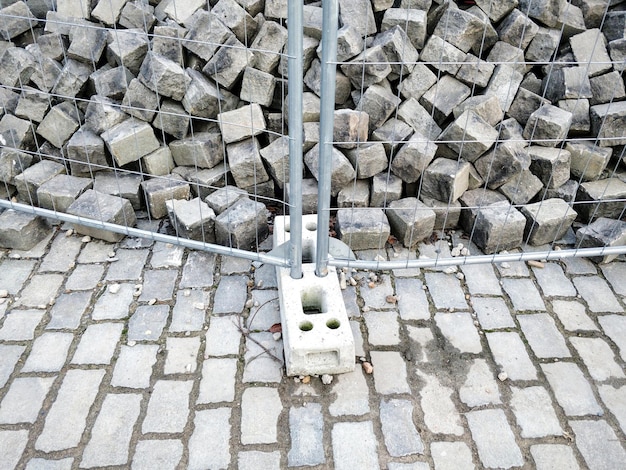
350	128
87	43
102	114
52	46
86	153
571	21
172	119
112	83
359	15
276	156
29	181
192	219
608	122
46	74
580	114
398	49
130	140
547	221
140	101
411	220
614	25
20	230
74	8
517	29
268	44
60	123
223	198
504	53
16	132
309	195
606	88
550	165
445	179
589	49
602	232
236	19
588	161
61	191
525	103
601	198
474	200
245	163
442	55
567	83
354	195
163	76
369	67
441	99
181	11
239	124
412	20
417	82
167	42
8	101
498	227
229	62
392	134
313	80
507	160
385	189
12	163
413	158
202	150
543	45
102	208
496	10
17	67
548	126
342	172
447	215
204	182
17	19
566	191
257	87
521	188
363	229
378	103
108	11
349	43
128	48
546	11
416	116
309	53
504	84
486	107
459	28
32	105
72	78
468	137
475	71
368	158
159	190
243	225
119	184
206	33
137	15
159	162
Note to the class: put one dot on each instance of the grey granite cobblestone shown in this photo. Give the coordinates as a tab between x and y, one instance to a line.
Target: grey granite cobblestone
306	427
168	408
163	454
23	400
128	266
598	295
48	353
69	308
400	435
62	254
210	426
189	310
85	277
544	338
114	303
158	285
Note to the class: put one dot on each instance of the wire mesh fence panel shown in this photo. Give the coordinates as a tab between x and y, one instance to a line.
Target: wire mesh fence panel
165	120
466	132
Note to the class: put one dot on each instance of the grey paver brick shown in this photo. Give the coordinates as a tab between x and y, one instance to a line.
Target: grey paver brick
389	372
494	439
481	279
493	313
265	310
97	344
571	389
68	310
572	315
36	252
534	412
9	355
210	426
162	454
480	387
188	313
350	453
265	277
168	408
218	380
598	295
425	339
85	277
182	355
408	466
614	327
62	254
231	265
223	336
355	326
306	428
198	270
412	301
401	437
128	266
445	291
458	328
440	413
513	269
510	354
376	297
13	274
96	251
49	352
260	408
451	456
43	464
158	285
147	322
350	300
351	394
133	367
258	365
615	400
553	281
19	325
615	273
166	255
253	460
67	417
523	294
578	266
23	400
382	328
112	431
542	335
12	444
114	306
553	457
598	358
41	290
598	444
231	295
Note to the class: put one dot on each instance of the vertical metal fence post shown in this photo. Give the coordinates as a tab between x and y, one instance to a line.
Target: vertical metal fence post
327	108
295	87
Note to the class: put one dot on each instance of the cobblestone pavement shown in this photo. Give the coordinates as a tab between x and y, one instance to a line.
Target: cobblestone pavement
148	356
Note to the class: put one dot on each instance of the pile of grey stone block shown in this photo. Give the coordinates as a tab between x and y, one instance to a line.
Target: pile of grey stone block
505	119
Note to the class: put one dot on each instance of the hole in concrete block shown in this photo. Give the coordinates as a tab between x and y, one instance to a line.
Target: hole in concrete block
333	323
313	301
307	253
287	228
306	326
311	226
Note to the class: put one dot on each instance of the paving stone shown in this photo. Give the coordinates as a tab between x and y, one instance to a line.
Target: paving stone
147	323
62	255
265	277
23	400
158	284
218	380
13	444
509	353
231	295
112	306
390	374
382	328
14	273
424	338
163	454
573	392
598	444
352	394
480	279
440	413
43	464
349	453
188	313
8	359
401	436
98	343
534	412
260	408
613	398
598	358
542	335
412	301
182	355
251	460
350	299
579	266
41	290
553	282
258	365
67	418
572	315
306	427
68	310
49	352
20	325
445	291
598	295
614	327
168	408
265	311
243	225
451	455
480	387
376	297
553	456
133	367
166	255
615	273
523	294
198	270
493	313
458	328
210	426
223	336
84	277
494	439
112	431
